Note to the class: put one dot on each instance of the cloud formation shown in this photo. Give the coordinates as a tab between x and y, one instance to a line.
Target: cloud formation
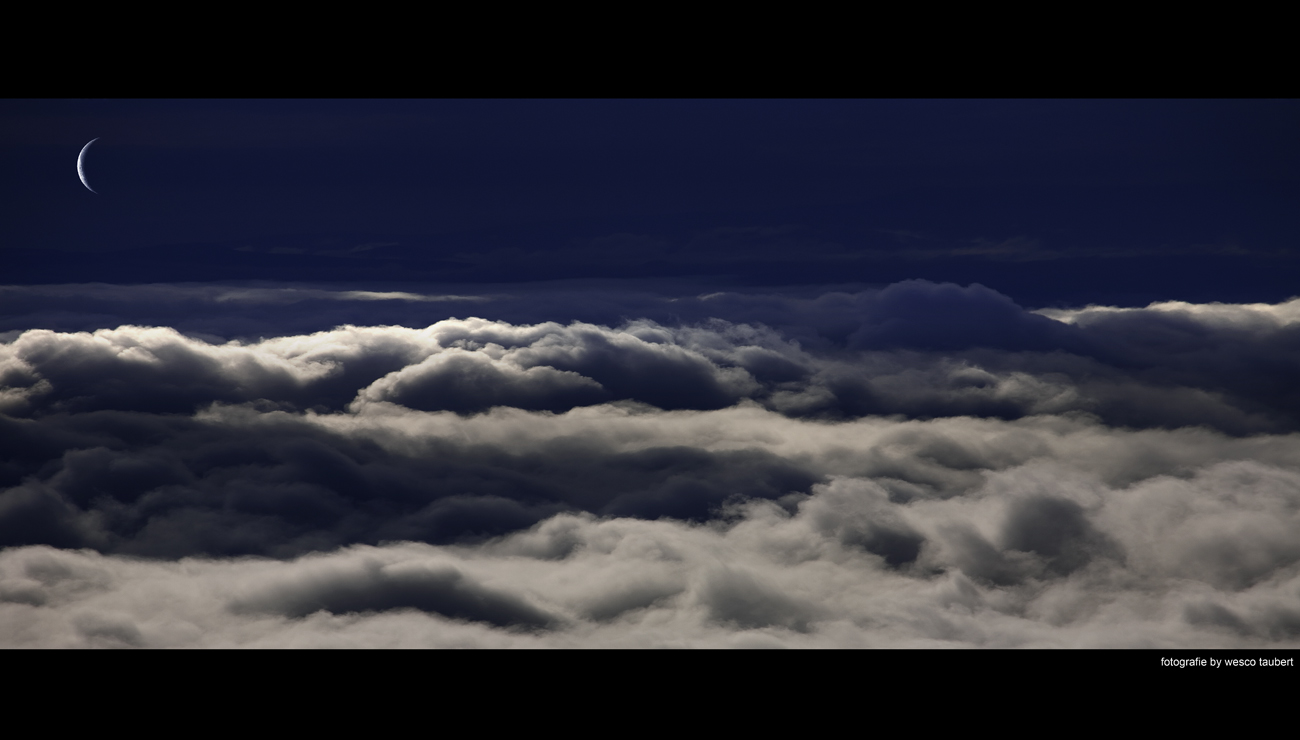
919	465
1025	562
915	348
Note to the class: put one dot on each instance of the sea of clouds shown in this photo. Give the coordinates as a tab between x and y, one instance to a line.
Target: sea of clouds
919	465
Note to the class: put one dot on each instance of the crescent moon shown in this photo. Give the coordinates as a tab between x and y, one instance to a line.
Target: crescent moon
81	165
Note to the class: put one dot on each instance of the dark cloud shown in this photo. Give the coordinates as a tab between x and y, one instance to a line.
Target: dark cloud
922	315
444	591
34	514
284	485
739	598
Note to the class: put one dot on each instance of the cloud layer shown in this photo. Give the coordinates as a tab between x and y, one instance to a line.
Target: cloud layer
919	465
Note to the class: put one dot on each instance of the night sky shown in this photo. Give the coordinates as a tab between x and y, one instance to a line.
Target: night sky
643	373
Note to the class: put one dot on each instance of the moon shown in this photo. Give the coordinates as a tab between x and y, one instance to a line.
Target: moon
81	165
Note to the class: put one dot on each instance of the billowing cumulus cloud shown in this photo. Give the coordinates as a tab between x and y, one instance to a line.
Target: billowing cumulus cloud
915	465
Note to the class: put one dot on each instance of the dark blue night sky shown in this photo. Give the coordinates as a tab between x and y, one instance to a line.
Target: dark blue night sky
650	373
1049	202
